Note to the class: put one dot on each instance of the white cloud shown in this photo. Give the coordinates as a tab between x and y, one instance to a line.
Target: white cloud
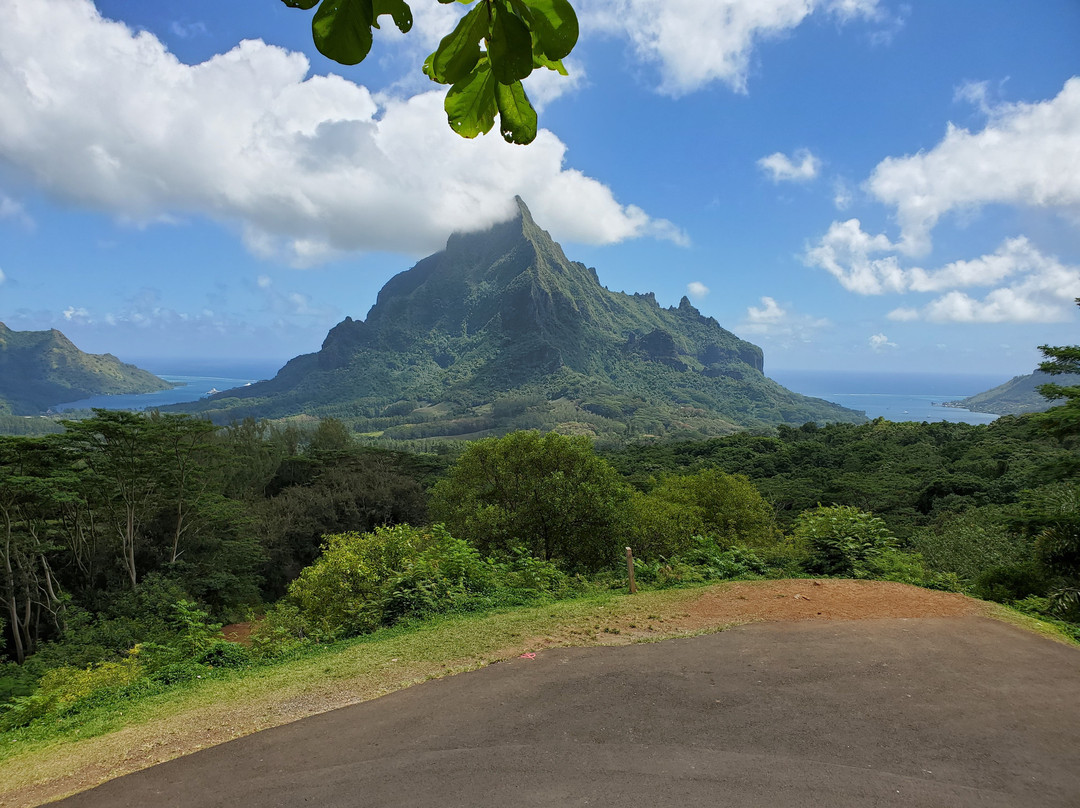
264	282
107	118
1027	155
77	315
696	289
769	314
782	168
879	342
1031	286
783	324
698	42
3	277
846	251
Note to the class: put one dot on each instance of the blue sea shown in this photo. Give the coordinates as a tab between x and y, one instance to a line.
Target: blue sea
895	396
194	380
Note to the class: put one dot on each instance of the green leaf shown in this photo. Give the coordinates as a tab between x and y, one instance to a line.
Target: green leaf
556	25
517	118
509	45
470	104
342	30
540	60
398	9
304	4
459	50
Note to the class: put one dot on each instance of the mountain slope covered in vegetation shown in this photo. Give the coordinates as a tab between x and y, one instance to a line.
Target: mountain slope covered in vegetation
39	369
1018	396
501	331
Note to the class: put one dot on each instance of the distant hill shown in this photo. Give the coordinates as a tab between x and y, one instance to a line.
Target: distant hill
1017	396
501	331
39	369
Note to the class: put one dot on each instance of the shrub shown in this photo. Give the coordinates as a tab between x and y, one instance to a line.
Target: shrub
62	688
891	564
365	580
838	539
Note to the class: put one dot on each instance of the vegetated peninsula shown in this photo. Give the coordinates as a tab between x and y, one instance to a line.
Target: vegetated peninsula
1017	396
39	369
501	331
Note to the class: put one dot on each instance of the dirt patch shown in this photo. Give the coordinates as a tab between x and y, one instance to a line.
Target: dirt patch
239	633
823	600
744	602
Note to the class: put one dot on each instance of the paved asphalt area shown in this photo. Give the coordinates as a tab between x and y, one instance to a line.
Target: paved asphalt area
945	712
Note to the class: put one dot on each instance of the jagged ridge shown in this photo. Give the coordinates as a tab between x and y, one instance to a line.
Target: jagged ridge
505	313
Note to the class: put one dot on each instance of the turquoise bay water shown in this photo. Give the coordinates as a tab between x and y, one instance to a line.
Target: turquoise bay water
191	388
196	380
895	396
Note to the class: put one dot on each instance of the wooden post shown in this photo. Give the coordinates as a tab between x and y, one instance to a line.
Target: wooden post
630	569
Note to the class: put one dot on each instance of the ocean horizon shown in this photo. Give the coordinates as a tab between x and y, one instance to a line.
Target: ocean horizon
895	396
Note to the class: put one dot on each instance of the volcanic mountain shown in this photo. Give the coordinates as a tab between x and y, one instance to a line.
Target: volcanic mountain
501	331
39	369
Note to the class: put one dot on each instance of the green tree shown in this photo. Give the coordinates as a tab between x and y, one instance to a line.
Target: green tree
495	45
548	494
1057	549
29	499
725	507
1064	420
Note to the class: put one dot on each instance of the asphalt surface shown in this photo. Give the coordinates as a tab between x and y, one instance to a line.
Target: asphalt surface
943	712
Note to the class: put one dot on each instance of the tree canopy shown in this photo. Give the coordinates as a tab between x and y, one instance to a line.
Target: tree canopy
495	45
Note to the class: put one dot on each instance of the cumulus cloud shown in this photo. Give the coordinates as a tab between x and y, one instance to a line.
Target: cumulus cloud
696	289
107	118
1028	154
780	322
1032	286
879	342
848	253
697	42
782	168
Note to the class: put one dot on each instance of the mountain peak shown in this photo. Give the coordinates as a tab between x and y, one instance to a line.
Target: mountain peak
502	314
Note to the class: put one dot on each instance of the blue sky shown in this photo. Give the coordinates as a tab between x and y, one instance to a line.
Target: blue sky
851	184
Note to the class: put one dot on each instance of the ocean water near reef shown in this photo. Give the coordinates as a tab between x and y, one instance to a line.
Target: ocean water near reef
895	396
194	380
